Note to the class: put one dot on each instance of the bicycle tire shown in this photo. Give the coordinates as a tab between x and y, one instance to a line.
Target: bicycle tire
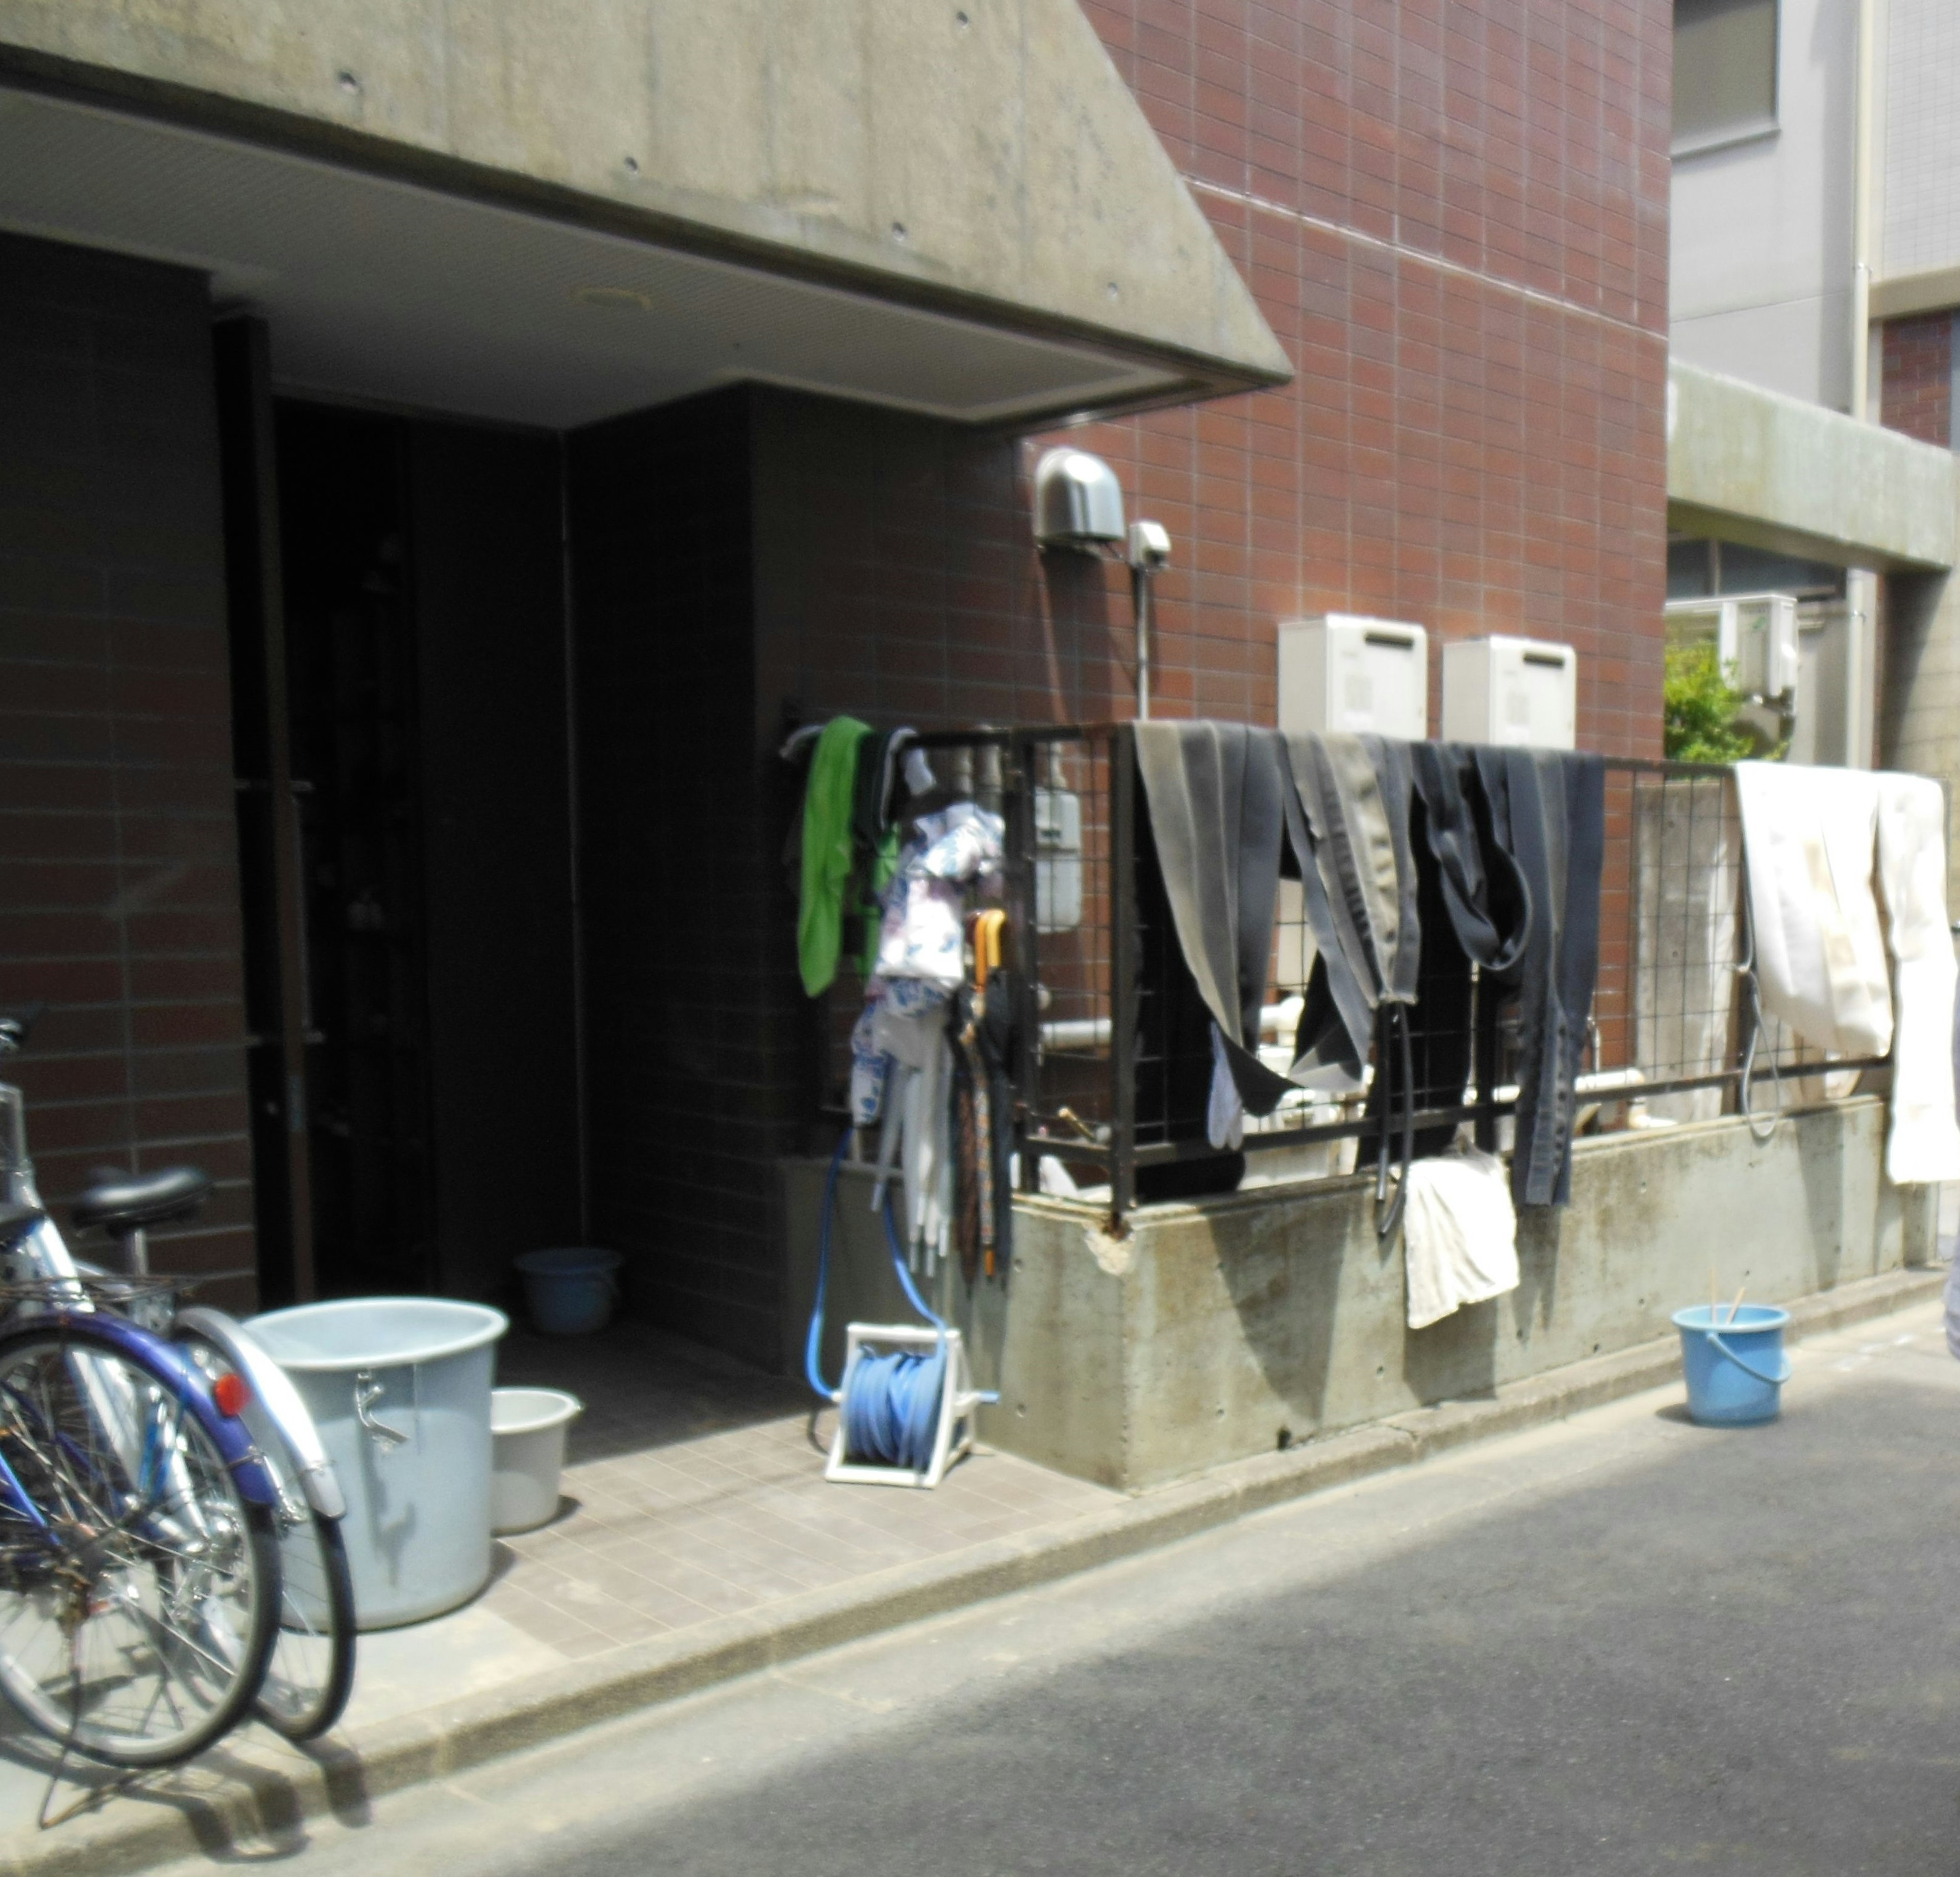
169	1571
309	1673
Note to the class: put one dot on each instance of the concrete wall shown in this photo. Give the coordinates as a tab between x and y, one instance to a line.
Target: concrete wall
1222	1329
1761	231
975	158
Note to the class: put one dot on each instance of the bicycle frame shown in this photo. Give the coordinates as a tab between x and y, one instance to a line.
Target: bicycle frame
42	1253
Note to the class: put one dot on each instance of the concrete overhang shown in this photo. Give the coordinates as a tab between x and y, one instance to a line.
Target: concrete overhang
552	212
1753	466
1934	291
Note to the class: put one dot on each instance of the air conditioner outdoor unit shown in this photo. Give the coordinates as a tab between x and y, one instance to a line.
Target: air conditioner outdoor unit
1499	690
1344	672
1755	638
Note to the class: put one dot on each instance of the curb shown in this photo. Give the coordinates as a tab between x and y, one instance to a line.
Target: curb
260	1800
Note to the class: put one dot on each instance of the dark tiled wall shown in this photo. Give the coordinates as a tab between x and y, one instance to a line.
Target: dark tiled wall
119	896
687	1098
1916	396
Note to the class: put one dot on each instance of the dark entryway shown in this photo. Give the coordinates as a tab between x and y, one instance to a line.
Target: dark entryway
427	896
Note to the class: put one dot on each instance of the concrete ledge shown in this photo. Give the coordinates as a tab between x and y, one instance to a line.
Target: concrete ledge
265	1800
1751	465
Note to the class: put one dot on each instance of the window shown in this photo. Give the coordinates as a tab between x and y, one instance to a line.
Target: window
1700	569
1725	72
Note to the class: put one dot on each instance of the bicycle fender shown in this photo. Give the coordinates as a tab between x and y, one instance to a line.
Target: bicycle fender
149	1351
280	1401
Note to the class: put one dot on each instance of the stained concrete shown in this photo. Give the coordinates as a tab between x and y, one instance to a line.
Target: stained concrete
1751	465
985	158
1232	1327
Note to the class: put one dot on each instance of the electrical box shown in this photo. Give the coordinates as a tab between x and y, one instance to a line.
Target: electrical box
1756	637
1499	690
1058	859
1344	672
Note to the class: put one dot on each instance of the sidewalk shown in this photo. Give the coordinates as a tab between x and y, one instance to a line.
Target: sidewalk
698	1541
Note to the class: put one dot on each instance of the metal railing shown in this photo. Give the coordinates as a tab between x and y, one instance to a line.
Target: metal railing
1104	1084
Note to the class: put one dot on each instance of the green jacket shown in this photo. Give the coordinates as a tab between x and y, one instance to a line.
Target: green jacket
826	849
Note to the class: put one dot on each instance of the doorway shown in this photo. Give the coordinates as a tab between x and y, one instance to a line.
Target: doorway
421	1118
351	700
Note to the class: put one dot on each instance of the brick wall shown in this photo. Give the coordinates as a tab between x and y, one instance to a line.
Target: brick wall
1454	219
1917	394
119	897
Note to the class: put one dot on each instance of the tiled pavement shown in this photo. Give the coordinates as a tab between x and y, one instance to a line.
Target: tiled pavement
693	1491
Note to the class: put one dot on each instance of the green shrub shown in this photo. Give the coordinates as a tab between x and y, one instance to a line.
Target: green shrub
1701	709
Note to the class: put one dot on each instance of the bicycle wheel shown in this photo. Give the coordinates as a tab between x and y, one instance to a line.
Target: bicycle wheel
311	1670
139	1588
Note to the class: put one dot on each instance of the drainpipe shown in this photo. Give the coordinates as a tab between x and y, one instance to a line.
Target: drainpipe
1861	216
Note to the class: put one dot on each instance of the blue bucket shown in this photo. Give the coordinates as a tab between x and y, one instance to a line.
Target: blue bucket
570	1291
1735	1363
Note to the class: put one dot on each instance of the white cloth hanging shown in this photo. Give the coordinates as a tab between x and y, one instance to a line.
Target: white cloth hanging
1459	1234
1847	873
1808	835
1924	1144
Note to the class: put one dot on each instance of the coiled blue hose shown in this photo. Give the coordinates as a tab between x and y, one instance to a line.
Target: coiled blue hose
890	1404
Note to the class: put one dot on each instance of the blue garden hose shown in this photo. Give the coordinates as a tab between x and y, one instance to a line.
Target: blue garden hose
890	1404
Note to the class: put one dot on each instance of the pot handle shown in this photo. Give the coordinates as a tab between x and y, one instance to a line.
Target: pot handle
367	1392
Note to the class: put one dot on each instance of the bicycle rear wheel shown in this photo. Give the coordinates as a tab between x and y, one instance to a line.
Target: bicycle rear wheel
311	1670
139	1588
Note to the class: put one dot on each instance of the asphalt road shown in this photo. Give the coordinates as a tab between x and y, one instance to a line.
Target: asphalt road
1621	1644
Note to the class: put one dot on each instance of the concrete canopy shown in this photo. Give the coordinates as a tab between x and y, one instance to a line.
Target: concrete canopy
982	167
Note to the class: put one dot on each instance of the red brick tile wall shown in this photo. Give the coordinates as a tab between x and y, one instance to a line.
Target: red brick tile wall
119	891
1454	217
1917	395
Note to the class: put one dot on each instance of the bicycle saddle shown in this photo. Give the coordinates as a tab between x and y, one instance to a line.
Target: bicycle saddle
132	1201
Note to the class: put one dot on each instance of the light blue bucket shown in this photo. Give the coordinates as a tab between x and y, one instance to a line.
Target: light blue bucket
571	1289
1734	1359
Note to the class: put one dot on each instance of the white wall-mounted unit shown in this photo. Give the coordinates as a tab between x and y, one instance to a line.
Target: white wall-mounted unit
1341	672
1500	690
1755	636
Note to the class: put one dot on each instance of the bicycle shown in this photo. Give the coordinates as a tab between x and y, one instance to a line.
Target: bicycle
299	1672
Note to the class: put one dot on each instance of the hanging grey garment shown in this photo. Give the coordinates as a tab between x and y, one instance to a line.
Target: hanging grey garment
1217	815
1355	791
1548	814
1348	812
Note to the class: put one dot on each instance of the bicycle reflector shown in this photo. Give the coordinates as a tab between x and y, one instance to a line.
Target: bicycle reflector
232	1395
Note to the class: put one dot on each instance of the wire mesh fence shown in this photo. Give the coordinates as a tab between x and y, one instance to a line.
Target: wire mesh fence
1101	1103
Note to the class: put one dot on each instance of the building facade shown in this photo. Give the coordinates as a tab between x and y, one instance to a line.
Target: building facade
440	464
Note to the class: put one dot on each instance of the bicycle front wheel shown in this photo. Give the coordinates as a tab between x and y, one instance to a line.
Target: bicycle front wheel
311	1670
138	1589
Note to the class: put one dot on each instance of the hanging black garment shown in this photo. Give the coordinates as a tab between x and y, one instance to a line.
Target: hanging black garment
1475	909
1547	812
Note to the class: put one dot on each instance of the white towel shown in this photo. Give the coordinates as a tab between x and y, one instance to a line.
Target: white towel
1808	834
1924	1143
1459	1234
1814	840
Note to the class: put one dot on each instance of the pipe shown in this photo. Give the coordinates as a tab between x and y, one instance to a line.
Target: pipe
1139	600
1861	214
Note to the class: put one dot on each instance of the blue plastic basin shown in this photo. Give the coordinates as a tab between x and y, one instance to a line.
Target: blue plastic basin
571	1290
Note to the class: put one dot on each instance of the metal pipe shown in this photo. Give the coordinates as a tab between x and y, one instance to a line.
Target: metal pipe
1140	601
1861	214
